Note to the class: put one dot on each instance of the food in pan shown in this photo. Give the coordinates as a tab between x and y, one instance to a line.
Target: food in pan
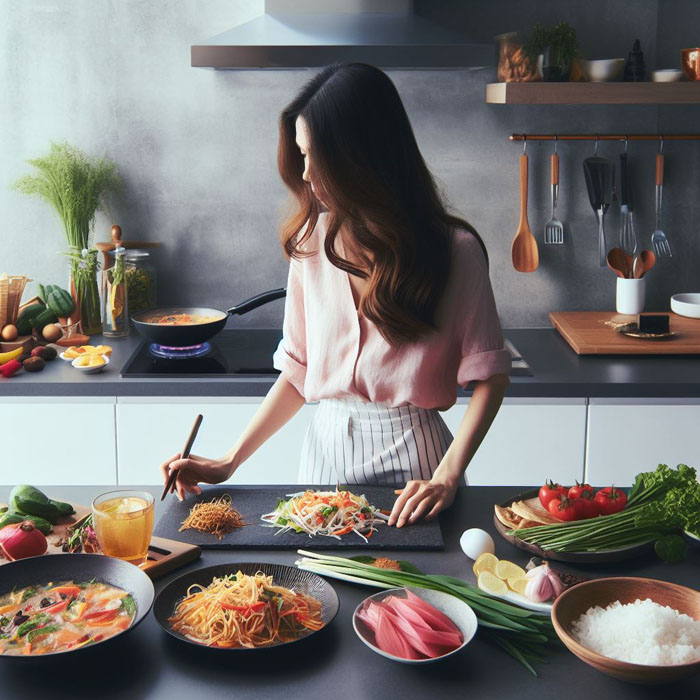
218	517
59	617
328	513
181	319
245	611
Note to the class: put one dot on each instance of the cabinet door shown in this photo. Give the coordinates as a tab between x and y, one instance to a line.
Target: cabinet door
529	441
625	438
149	430
57	440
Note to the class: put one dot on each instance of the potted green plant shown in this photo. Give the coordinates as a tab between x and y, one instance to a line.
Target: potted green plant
557	46
75	185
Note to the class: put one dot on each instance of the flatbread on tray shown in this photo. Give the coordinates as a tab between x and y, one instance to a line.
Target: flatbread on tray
511	520
532	510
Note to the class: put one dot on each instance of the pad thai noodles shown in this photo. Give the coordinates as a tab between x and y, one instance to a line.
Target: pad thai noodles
328	513
245	611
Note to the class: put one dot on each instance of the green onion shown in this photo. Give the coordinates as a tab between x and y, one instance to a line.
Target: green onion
519	632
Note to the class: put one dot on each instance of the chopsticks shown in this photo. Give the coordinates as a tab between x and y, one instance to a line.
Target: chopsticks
170	484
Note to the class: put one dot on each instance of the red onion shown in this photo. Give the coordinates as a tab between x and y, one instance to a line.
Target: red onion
22	540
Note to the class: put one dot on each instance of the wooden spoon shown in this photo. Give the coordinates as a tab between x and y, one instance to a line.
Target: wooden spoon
619	262
643	262
524	248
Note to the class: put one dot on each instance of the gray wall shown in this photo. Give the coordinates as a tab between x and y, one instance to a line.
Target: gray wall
197	148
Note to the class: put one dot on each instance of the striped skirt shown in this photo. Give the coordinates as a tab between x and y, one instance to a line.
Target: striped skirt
353	442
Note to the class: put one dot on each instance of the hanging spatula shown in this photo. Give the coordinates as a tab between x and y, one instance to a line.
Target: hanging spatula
524	251
599	173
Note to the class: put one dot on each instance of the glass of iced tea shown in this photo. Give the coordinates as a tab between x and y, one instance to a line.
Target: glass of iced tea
124	524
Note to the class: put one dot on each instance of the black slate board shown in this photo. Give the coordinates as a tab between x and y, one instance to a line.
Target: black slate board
253	502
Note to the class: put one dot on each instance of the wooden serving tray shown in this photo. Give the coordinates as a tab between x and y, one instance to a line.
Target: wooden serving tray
610	555
588	334
164	555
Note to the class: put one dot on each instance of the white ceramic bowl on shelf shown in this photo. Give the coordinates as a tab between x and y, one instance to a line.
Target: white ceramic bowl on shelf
604	70
666	75
686	305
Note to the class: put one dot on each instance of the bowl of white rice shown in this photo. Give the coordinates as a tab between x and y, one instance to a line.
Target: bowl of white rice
639	630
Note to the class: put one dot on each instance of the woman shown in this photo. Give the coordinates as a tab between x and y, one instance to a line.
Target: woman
389	307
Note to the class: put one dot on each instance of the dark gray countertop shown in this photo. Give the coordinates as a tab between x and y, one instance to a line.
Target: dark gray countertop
558	373
147	663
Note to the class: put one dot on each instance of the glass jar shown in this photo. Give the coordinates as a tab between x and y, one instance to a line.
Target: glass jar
513	64
115	302
140	281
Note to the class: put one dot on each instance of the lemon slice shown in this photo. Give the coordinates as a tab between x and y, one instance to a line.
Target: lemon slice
485	562
491	583
518	584
506	569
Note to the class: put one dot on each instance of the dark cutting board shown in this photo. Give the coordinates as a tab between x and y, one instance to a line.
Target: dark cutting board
253	502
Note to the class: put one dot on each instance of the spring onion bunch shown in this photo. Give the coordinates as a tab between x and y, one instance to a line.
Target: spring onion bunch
661	502
521	633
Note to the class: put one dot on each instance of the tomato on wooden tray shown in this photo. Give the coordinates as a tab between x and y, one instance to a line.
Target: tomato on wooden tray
580	489
550	490
610	500
563	509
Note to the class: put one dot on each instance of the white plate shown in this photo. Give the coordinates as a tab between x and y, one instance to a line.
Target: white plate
457	610
523	602
686	305
91	370
66	359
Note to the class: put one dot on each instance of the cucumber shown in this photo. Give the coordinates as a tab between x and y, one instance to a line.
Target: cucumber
13	518
42	319
23	323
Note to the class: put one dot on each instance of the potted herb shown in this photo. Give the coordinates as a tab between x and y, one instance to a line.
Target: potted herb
75	185
558	47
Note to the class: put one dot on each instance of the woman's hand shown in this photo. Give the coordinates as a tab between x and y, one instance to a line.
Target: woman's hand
193	470
422	499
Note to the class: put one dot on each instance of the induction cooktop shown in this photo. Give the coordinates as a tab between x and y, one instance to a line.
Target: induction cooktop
233	352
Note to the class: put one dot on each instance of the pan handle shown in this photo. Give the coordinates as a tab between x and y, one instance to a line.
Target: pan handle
249	304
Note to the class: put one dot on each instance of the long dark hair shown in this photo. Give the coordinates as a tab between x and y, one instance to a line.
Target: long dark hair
376	184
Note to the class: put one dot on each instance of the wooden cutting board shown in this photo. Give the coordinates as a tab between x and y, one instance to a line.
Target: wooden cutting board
164	555
588	334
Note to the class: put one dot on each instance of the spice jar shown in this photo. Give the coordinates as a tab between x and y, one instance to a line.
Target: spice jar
115	311
514	66
140	280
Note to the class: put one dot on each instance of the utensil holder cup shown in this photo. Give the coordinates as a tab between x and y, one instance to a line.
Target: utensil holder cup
629	296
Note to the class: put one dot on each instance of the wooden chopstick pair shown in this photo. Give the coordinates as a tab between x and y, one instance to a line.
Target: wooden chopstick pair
170	484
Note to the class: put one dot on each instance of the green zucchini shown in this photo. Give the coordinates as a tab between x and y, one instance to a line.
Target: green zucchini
59	301
28	499
14	518
43	318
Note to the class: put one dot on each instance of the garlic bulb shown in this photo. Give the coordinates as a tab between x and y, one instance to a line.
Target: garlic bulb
544	584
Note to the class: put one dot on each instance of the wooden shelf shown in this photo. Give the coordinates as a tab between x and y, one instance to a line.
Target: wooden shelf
593	93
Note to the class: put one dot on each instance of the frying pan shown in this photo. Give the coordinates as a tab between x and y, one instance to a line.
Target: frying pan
184	336
79	568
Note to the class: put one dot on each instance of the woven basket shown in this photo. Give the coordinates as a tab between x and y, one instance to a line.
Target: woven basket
11	290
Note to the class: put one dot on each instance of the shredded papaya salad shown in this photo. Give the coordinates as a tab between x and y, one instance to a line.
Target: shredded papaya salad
329	513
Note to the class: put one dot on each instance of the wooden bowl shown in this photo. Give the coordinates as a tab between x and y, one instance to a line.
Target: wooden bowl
575	601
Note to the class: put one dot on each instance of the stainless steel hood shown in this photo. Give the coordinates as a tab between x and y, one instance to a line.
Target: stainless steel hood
312	33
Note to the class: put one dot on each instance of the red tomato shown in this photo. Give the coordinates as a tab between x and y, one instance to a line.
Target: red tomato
610	500
551	490
586	505
563	509
578	490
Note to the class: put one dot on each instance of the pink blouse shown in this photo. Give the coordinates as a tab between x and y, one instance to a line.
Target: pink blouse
330	350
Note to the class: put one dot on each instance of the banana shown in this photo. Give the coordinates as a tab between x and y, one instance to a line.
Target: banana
11	355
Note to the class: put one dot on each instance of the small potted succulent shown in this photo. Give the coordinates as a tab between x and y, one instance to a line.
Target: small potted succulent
554	50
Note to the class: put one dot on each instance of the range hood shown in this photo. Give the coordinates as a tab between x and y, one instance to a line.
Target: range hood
312	33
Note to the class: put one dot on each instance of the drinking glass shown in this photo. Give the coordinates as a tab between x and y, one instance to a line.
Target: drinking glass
124	524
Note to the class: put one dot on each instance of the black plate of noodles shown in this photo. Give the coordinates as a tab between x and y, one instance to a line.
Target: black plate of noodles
67	603
246	606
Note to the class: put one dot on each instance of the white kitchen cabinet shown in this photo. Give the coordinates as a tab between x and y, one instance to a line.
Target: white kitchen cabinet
626	437
57	440
530	440
149	430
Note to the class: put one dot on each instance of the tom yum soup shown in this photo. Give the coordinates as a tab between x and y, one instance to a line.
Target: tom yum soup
61	617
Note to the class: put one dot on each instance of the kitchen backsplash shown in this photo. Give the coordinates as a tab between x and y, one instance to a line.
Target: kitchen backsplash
197	148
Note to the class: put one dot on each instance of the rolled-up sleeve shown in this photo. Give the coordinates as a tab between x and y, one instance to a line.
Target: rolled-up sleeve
290	358
483	350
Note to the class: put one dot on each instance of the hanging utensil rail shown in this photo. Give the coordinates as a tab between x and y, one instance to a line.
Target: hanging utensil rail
604	137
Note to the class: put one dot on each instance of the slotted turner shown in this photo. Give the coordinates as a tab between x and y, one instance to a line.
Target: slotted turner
524	251
554	229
